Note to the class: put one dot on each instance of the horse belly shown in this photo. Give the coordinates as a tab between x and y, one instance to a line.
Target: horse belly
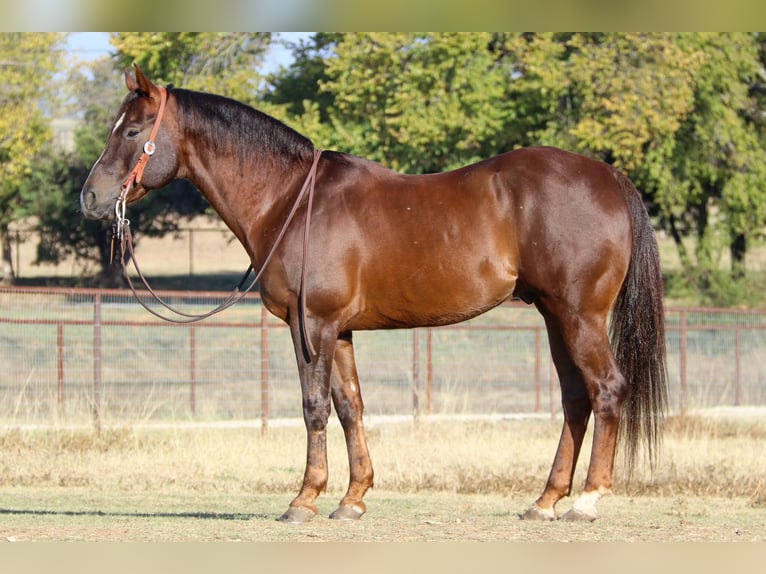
437	292
439	250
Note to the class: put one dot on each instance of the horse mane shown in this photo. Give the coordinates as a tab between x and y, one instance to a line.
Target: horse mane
241	128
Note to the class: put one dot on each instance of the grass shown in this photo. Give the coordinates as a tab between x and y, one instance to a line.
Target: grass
434	481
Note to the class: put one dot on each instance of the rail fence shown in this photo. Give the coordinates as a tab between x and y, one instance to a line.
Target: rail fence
76	354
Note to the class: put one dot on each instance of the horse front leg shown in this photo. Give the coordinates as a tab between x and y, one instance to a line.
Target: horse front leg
347	398
315	388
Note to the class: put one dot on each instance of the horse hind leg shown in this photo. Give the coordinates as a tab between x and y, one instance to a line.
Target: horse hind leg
577	409
347	398
590	382
608	390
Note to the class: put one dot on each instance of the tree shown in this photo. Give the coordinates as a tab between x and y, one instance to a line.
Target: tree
60	175
615	96
415	102
676	112
681	113
225	63
28	62
718	190
294	92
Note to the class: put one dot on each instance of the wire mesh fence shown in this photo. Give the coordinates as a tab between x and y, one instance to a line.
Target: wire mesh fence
76	355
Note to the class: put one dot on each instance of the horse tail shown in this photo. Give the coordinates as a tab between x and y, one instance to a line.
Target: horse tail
637	332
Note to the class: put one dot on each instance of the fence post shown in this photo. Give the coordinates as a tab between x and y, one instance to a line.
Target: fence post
264	369
682	362
97	362
60	369
738	356
429	368
415	372
192	370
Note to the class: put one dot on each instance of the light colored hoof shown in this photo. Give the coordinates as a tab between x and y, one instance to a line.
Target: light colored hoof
344	512
536	513
297	515
578	516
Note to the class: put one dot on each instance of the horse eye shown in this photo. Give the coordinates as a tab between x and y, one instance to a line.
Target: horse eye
132	133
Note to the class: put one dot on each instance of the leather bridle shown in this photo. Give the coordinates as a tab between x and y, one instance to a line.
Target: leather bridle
135	175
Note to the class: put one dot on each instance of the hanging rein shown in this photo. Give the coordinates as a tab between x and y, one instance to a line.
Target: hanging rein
123	233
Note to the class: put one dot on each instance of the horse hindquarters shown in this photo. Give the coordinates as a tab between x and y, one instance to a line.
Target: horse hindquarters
593	377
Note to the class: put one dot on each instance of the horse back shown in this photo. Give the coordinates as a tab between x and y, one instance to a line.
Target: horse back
416	250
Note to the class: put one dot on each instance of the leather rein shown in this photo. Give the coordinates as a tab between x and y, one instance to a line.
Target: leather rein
122	231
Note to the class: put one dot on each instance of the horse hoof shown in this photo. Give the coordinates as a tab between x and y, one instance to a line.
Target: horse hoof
578	516
344	512
297	515
535	513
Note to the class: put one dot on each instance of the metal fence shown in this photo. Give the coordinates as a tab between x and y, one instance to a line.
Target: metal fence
77	354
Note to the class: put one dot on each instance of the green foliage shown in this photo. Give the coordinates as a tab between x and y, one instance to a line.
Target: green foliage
682	113
715	176
28	62
52	189
225	63
416	102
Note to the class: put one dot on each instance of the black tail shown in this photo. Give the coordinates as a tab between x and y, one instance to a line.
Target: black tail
638	336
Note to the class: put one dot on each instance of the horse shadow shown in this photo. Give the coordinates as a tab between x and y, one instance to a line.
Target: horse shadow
233	516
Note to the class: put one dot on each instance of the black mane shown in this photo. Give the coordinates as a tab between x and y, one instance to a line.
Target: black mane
231	124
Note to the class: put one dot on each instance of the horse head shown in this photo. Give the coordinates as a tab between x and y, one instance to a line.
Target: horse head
141	152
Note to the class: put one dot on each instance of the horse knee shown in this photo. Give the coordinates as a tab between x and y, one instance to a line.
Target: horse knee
316	413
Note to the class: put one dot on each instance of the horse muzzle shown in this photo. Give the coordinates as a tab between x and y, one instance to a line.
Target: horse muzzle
93	207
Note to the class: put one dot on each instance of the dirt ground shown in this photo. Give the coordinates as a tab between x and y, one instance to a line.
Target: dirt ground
77	514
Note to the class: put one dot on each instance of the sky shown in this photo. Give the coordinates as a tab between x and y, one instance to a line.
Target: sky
92	45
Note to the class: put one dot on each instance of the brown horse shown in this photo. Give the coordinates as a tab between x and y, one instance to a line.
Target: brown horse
385	250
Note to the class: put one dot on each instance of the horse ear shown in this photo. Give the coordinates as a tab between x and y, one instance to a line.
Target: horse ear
144	84
130	81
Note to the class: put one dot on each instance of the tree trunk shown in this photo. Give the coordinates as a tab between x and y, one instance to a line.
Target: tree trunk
8	276
683	254
738	249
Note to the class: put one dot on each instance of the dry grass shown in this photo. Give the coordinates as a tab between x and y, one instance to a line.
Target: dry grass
434	481
700	458
710	457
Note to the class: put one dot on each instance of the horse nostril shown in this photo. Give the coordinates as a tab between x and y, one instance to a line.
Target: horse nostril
89	199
